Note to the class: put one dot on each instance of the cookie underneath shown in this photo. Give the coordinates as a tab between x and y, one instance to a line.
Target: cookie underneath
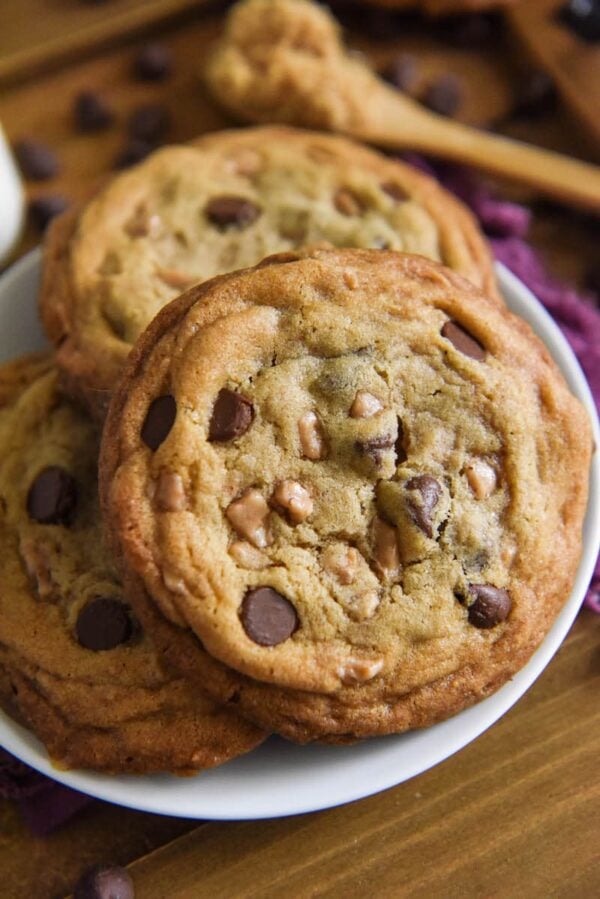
75	665
222	203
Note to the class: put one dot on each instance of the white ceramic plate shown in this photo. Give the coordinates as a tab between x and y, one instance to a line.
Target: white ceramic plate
280	778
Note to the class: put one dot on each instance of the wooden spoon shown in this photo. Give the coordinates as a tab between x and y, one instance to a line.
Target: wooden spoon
283	61
401	123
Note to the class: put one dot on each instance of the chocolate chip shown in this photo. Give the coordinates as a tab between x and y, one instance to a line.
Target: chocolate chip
393	190
227	212
52	497
268	617
91	112
149	122
231	416
103	623
400	449
490	605
463	341
430	492
159	420
583	17
134	151
104	882
154	62
444	95
36	160
402	72
375	447
43	209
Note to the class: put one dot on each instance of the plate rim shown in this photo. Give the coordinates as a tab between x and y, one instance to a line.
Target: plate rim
113	788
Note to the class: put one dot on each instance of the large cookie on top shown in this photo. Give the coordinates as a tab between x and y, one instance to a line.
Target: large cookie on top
358	481
191	212
75	666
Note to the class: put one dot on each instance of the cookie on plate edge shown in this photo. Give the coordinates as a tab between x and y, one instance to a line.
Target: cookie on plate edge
75	665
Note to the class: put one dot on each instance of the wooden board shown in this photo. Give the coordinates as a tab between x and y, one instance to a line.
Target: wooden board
87	159
573	64
513	814
36	34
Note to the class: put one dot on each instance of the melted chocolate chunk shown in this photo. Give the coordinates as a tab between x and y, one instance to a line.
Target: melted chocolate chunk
490	605
103	623
159	420
401	455
231	212
463	341
104	882
231	417
52	498
268	617
430	491
375	447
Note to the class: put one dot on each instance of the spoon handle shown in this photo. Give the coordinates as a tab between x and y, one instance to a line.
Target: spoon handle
574	182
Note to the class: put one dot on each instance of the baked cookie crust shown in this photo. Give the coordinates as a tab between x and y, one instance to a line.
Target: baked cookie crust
355	479
76	667
222	203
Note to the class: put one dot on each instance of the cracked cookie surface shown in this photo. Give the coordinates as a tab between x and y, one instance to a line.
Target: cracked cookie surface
76	666
358	481
222	203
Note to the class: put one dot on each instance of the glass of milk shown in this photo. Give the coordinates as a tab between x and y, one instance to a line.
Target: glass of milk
12	200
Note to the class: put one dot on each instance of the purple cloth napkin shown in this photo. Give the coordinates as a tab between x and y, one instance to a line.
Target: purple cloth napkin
45	804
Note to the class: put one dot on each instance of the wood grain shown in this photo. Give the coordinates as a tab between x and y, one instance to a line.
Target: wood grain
37	34
48	867
515	813
573	64
486	73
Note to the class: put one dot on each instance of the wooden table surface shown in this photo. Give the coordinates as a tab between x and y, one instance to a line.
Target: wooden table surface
513	814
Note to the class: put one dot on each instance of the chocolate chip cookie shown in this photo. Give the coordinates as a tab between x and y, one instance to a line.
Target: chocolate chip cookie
355	479
191	212
75	665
